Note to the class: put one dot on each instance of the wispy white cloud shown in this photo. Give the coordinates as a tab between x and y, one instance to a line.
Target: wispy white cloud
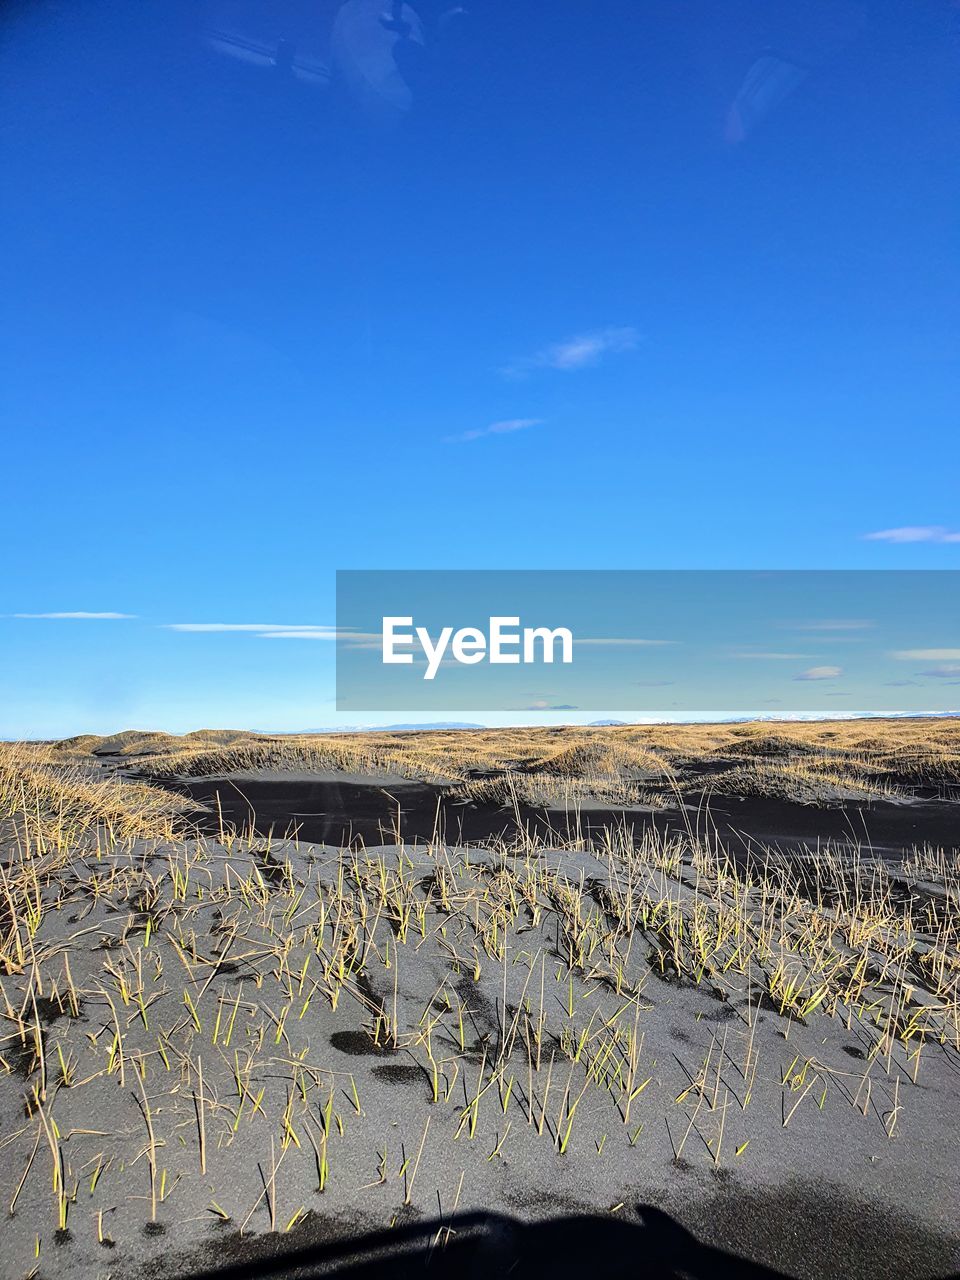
261	628
618	640
506	427
833	624
282	631
915	533
774	657
299	633
946	671
369	640
578	352
80	614
355	639
820	673
926	655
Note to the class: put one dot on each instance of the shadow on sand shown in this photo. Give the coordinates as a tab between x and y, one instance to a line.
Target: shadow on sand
482	1246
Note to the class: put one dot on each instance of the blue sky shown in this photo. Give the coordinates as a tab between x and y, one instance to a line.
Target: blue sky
644	287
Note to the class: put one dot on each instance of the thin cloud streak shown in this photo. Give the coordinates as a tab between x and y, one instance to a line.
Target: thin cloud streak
832	624
506	427
820	673
774	657
261	627
926	655
618	640
294	633
355	639
578	352
81	615
915	533
274	630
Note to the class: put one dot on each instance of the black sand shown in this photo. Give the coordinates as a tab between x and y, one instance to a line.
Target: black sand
339	810
859	1182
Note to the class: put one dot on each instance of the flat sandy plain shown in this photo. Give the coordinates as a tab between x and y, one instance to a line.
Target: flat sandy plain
261	994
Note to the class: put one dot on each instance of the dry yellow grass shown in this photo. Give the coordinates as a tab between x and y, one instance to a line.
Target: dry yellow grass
52	804
804	783
48	810
604	759
855	760
550	790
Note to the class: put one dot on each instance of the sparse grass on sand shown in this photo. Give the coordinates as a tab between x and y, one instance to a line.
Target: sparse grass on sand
51	805
547	790
238	1033
820	764
805	782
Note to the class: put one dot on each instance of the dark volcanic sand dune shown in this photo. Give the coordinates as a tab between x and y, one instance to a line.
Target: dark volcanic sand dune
881	826
339	810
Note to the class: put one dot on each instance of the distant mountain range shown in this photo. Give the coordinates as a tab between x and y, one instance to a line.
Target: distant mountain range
598	724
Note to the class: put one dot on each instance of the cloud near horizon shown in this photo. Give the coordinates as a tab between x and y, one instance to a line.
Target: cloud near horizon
263	628
833	624
618	640
81	615
275	630
926	655
578	352
774	657
298	633
915	533
820	673
506	427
